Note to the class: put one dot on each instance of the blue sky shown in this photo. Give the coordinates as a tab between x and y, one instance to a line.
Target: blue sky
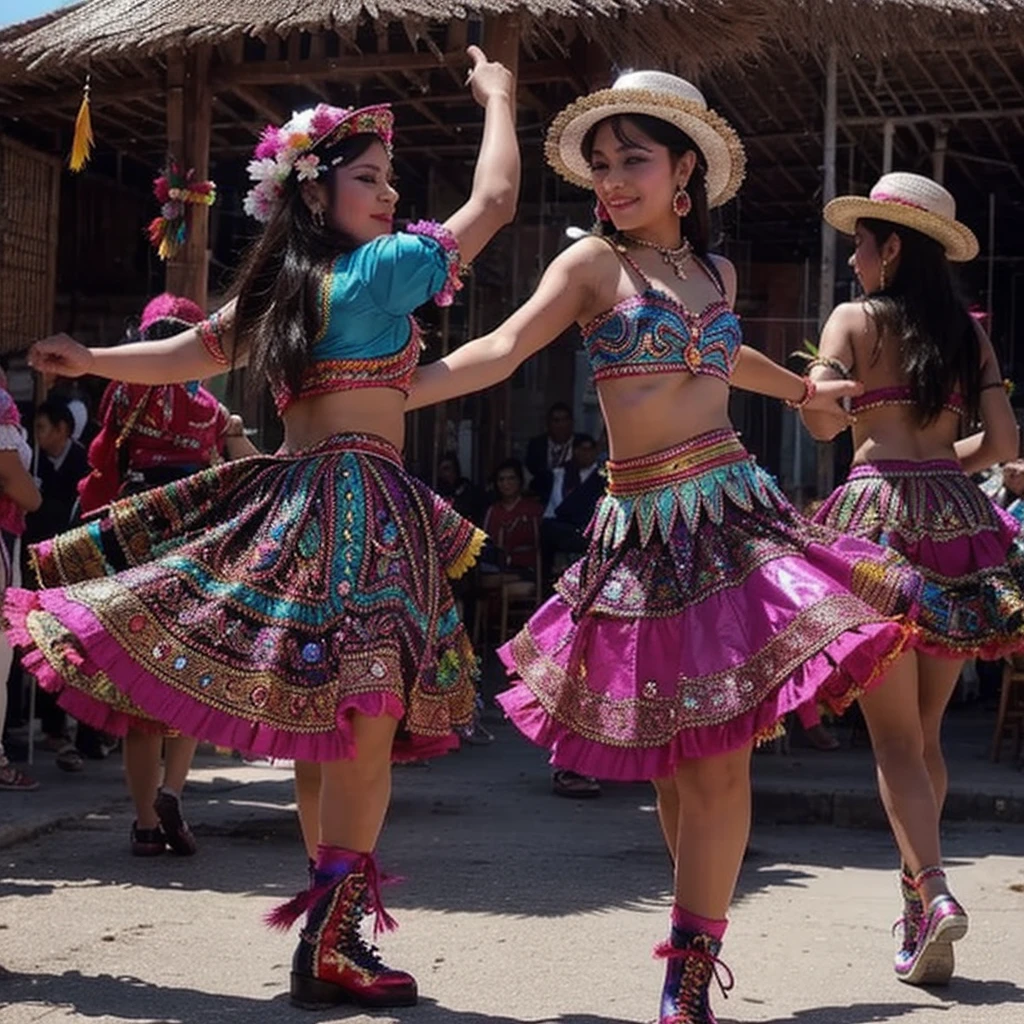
12	11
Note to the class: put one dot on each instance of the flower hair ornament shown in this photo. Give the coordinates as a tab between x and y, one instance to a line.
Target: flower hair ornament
175	191
299	146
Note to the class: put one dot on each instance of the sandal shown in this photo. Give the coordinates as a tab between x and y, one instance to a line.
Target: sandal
574	786
69	759
15	781
147	842
175	829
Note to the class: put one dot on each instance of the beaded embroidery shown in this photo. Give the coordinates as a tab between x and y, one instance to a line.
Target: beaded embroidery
878	398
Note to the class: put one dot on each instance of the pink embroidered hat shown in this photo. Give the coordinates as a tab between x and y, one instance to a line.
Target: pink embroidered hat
915	202
300	144
173	309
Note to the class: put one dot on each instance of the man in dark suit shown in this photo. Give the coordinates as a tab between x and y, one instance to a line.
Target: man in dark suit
546	452
62	463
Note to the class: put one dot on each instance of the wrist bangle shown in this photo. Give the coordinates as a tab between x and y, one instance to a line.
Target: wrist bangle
810	390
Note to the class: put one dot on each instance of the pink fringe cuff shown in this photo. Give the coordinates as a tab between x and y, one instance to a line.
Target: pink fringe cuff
448	242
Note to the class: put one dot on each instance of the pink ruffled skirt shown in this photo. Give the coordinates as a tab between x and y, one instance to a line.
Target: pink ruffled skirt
966	548
705	609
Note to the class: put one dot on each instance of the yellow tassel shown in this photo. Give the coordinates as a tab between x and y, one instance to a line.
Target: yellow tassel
81	145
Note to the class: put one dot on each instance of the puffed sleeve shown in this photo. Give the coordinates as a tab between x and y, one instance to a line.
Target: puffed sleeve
403	271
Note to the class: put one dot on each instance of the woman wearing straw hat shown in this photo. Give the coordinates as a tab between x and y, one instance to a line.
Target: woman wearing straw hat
928	370
297	605
705	607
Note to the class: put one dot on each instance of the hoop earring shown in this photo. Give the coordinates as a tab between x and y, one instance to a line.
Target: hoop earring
883	279
682	204
601	212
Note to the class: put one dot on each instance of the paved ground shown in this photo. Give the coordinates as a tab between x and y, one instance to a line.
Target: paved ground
518	907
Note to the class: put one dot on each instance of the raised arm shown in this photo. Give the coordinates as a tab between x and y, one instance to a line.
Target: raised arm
200	352
560	300
492	202
998	440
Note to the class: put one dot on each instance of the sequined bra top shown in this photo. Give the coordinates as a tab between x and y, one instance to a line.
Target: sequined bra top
878	398
368	337
652	332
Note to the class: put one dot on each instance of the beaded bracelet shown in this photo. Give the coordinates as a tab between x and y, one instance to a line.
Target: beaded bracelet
210	334
810	390
829	363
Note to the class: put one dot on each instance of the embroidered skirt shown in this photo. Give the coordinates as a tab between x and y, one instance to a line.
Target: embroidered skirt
964	546
258	603
705	609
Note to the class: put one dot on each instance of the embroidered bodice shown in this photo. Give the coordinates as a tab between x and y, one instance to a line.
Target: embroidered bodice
653	332
367	336
877	398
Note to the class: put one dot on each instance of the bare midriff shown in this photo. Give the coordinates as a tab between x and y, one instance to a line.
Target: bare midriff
379	411
894	432
646	414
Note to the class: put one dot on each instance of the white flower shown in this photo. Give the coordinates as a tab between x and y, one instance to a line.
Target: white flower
307	168
261	170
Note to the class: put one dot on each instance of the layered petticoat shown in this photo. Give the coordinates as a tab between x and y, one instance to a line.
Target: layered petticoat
258	603
705	609
965	547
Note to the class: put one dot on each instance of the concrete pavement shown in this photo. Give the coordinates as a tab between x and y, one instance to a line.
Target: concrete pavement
518	907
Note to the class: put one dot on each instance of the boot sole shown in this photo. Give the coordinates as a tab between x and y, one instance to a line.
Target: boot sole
313	994
937	962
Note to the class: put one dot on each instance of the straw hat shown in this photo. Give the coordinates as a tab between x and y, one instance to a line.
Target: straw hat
915	202
659	95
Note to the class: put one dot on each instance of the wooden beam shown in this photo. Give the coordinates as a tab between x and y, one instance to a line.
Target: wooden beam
262	103
282	72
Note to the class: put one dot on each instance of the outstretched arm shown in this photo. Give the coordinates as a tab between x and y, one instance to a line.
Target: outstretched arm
492	202
756	372
560	299
200	352
846	322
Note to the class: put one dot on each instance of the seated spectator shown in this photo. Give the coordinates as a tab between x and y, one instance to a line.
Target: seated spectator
546	452
576	489
513	524
461	493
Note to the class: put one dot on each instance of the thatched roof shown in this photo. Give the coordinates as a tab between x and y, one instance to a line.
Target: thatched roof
700	31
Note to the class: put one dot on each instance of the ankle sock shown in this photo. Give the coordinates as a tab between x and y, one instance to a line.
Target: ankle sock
686	921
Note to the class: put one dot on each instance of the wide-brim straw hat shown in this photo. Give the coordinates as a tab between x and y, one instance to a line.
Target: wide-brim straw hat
656	94
915	202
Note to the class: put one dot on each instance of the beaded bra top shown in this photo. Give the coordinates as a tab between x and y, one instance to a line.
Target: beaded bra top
653	332
878	398
368	337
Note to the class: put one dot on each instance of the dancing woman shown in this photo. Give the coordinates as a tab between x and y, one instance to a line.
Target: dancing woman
705	608
928	368
296	605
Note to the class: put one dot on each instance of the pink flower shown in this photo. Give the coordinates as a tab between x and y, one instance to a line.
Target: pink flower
324	119
270	142
307	168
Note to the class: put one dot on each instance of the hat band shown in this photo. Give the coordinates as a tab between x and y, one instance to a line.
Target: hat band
885	197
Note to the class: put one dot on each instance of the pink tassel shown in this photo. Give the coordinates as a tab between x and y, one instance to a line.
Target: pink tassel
283	916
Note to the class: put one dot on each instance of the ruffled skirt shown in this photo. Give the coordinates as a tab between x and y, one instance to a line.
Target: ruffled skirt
965	547
258	603
705	609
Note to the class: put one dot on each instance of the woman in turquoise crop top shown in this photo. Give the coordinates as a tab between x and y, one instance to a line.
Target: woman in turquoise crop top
931	373
706	607
296	606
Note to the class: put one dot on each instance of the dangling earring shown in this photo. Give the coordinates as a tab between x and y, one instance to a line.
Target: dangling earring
681	202
884	277
318	216
601	212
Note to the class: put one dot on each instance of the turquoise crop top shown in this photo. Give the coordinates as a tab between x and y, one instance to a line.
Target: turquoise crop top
653	332
368	337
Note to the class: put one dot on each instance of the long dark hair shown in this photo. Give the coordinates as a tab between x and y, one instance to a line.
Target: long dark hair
921	308
697	223
281	278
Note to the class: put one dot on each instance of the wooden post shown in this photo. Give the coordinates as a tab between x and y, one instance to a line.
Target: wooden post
826	292
888	135
939	153
501	40
189	115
